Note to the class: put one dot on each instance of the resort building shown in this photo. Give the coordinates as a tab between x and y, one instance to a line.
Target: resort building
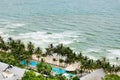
9	72
95	75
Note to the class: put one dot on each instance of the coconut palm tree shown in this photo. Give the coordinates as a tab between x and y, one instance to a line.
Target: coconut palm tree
27	57
117	60
1	40
11	43
30	48
3	45
50	50
42	67
98	64
38	52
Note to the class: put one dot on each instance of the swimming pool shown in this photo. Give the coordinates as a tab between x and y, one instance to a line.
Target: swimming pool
56	70
31	63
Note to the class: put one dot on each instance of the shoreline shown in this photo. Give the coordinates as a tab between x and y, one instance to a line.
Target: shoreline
111	52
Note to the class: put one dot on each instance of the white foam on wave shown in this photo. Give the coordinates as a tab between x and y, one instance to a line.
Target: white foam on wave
92	53
43	39
110	55
14	25
92	57
114	52
92	50
66	42
10	24
1	32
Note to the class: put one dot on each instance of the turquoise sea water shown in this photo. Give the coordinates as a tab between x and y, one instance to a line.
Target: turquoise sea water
90	26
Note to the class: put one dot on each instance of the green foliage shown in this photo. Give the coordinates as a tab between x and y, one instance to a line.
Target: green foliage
54	59
42	67
38	52
61	60
111	77
30	48
75	78
60	77
7	58
30	75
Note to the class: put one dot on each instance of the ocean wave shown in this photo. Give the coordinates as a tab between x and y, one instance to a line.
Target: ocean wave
14	25
115	52
43	39
10	24
109	54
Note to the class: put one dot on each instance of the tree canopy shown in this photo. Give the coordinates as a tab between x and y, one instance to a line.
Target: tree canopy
111	77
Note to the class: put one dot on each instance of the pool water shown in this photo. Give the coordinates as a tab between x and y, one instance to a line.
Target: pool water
31	63
58	70
22	62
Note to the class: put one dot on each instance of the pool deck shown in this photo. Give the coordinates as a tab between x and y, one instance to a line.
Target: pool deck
49	60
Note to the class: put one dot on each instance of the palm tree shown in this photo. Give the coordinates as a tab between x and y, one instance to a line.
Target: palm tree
11	43
58	49
3	45
51	46
1	40
30	48
117	60
21	50
42	67
98	64
50	50
27	57
38	52
104	59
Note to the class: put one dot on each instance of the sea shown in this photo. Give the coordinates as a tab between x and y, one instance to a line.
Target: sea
88	26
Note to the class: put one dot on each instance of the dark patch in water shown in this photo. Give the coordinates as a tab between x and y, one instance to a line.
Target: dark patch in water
90	34
48	33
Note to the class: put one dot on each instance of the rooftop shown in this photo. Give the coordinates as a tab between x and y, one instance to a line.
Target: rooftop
15	73
95	75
